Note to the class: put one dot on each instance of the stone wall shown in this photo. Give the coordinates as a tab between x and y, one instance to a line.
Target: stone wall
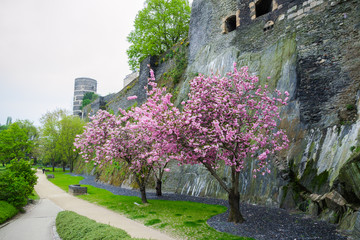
310	49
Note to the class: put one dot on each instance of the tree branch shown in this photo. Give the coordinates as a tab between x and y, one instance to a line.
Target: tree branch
216	176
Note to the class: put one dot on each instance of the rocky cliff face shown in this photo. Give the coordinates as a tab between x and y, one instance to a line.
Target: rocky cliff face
312	50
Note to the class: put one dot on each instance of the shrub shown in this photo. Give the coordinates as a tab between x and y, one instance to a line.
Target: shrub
17	183
7	211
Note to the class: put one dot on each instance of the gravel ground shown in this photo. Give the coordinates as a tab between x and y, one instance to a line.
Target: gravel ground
262	223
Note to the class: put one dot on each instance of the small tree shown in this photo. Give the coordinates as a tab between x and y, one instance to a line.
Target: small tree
69	127
136	137
160	25
50	133
232	121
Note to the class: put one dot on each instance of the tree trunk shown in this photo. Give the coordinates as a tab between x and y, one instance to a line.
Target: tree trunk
233	191
143	194
71	166
158	187
234	203
64	166
141	183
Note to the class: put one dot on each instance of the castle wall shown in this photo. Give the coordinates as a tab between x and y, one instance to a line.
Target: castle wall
310	49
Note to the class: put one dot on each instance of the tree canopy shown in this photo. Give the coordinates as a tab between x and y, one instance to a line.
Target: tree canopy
58	132
15	142
158	26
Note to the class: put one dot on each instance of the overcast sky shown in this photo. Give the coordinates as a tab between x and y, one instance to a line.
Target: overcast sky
46	44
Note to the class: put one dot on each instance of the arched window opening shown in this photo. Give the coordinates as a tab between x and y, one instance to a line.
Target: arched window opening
230	23
263	7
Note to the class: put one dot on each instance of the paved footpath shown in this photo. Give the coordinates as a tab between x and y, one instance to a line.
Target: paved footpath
52	200
36	223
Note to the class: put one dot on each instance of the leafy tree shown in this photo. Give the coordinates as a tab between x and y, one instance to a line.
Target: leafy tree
232	121
3	127
58	133
50	133
14	143
33	135
160	25
88	98
69	127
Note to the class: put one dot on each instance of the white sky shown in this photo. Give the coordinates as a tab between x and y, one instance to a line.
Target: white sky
46	44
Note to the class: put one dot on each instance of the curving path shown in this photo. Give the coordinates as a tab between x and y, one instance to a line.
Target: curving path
36	223
52	200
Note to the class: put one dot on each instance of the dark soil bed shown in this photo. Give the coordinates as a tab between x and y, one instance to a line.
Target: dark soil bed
262	223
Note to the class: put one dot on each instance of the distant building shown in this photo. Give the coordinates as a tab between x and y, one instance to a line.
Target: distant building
82	86
130	77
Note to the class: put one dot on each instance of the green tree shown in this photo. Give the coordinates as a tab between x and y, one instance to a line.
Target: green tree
70	126
160	25
58	133
14	143
33	135
88	98
49	136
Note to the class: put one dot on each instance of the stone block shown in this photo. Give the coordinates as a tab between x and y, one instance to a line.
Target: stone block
281	17
50	176
299	17
334	200
77	190
292	15
292	9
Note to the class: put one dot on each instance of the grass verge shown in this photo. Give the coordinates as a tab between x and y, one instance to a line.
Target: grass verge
185	220
72	226
7	211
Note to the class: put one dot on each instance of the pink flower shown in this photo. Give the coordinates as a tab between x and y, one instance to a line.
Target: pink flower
132	97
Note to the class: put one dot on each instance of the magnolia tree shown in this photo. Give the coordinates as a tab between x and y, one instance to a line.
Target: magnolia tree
138	137
232	121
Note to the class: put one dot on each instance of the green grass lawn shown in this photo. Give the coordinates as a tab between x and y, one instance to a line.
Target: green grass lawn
185	220
72	226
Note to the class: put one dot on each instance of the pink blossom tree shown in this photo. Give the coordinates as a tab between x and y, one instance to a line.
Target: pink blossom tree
136	137
153	121
232	121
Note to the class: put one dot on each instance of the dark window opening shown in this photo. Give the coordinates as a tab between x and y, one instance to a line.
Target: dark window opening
263	7
230	23
268	26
